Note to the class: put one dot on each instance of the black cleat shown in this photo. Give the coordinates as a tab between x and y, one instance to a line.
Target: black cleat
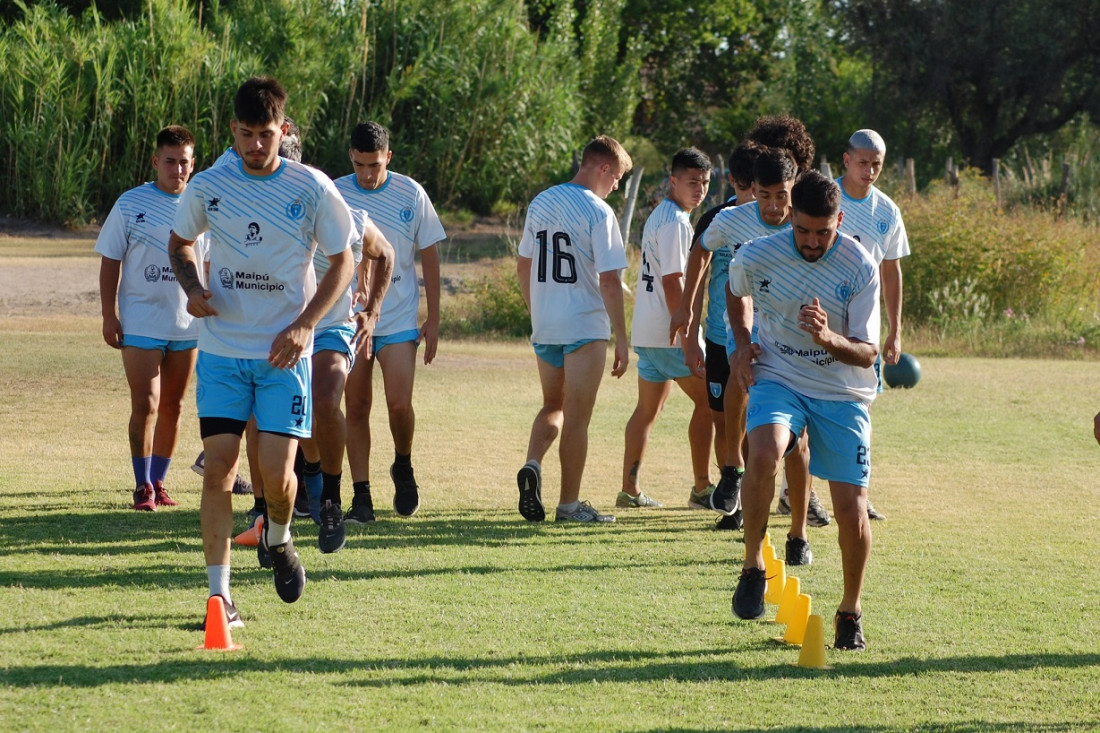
849	631
331	537
362	509
733	521
726	497
748	599
798	551
290	576
529	479
406	495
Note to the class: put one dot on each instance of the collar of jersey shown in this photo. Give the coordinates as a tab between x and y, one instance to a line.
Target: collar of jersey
380	189
248	176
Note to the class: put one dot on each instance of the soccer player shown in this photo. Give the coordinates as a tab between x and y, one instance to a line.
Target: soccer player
400	207
152	329
258	314
666	239
570	257
874	220
711	361
816	293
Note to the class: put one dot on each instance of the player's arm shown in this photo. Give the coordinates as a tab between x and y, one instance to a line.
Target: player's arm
611	290
374	278
523	272
739	310
683	317
291	341
814	320
890	273
185	265
429	332
109	272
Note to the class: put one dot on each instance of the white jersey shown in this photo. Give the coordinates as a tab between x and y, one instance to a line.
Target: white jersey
263	231
150	301
732	228
875	222
846	282
401	209
666	240
229	156
342	311
571	235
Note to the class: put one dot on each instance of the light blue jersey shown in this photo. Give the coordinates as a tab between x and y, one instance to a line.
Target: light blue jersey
571	235
781	281
401	209
150	301
875	222
263	231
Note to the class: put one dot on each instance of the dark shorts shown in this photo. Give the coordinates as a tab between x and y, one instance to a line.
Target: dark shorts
718	373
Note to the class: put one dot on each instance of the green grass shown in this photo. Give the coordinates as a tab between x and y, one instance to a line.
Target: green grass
981	608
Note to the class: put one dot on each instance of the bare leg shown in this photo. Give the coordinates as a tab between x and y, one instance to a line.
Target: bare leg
583	372
359	394
142	367
398	362
797	468
651	400
699	430
766	446
175	373
854	537
547	424
216	508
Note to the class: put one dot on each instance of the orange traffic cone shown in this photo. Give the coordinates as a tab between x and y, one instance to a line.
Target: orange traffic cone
217	627
251	536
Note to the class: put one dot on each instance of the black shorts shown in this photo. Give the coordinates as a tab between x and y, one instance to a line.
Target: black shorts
718	373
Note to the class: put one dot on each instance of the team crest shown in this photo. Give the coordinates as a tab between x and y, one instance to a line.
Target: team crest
225	275
152	273
883	226
843	292
295	209
406	214
715	389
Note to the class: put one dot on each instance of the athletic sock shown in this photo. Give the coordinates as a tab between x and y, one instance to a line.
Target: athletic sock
535	465
330	490
361	488
310	468
276	534
141	470
570	507
158	468
402	459
217	576
260	505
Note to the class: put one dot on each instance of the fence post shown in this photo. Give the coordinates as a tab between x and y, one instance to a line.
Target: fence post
1063	189
997	181
825	169
632	187
911	176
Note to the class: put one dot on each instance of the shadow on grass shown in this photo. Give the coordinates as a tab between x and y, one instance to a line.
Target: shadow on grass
970	726
611	666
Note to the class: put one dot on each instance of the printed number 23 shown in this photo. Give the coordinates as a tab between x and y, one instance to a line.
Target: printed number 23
564	268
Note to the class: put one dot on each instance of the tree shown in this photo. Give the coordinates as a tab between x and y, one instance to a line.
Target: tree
997	71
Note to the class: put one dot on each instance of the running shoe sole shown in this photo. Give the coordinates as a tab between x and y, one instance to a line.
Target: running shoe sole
530	494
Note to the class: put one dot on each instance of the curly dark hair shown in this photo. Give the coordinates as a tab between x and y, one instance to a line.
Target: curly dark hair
784	131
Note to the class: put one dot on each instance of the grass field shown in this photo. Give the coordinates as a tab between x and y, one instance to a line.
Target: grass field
981	609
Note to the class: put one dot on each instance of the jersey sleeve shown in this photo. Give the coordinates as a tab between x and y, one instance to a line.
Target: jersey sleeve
673	240
739	285
607	244
527	241
897	241
113	239
333	228
715	235
191	215
429	230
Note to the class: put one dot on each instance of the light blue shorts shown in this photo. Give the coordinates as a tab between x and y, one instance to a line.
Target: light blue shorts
161	345
380	342
660	364
340	339
239	388
839	432
554	354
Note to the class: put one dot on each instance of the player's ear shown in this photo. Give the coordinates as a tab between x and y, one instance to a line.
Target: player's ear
839	217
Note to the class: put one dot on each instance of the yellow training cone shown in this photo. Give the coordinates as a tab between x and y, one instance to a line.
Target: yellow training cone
777	580
769	554
796	627
791	589
813	644
767	539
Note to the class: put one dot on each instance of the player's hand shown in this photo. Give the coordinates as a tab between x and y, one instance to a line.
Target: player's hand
677	326
891	349
814	320
694	358
741	374
112	331
288	346
198	303
622	359
363	342
429	336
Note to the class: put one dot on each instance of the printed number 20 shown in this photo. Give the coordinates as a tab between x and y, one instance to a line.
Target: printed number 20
564	268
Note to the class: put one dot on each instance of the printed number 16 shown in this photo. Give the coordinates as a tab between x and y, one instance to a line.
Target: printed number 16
564	268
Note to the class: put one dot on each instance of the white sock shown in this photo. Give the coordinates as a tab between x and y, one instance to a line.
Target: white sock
217	576
534	464
570	507
276	534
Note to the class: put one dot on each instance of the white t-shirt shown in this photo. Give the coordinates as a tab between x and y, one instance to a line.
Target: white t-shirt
150	301
571	235
875	222
401	209
666	240
846	282
263	231
342	311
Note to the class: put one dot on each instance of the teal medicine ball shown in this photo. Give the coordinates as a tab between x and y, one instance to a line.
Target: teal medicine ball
906	373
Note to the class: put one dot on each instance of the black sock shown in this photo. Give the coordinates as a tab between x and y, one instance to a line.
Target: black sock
330	489
400	459
260	505
361	488
310	468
